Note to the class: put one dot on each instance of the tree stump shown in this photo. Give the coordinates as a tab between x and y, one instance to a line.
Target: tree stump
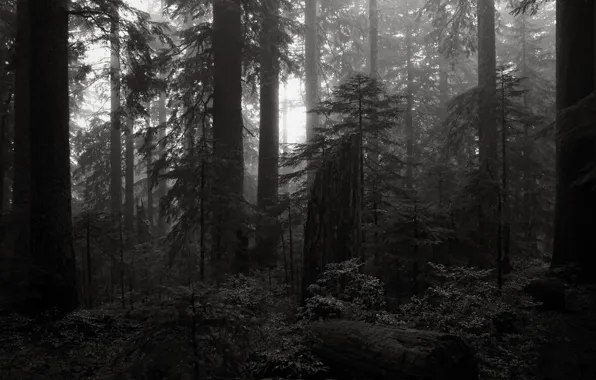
332	232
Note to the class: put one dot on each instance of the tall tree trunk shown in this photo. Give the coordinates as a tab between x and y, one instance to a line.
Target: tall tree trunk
4	151
90	290
373	15
487	126
227	126
576	78
291	245
527	184
311	72
129	200
115	132
162	184
269	131
22	166
284	133
442	114
409	106
149	163
285	110
53	282
504	263
204	192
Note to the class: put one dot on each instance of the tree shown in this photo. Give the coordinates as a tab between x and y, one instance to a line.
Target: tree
227	125
525	42
269	124
129	196
116	133
310	67
161	149
373	15
22	170
487	123
409	105
149	163
52	281
576	79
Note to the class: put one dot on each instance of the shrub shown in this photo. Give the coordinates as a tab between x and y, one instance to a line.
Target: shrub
343	291
500	326
199	331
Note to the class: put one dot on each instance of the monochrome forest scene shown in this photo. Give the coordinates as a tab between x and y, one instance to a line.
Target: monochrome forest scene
298	189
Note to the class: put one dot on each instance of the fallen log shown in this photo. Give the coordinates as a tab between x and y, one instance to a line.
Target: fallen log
382	352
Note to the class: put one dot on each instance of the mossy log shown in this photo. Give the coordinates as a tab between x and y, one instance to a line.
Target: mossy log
381	352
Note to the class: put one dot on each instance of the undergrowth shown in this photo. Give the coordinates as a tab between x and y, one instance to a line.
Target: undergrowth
502	327
245	329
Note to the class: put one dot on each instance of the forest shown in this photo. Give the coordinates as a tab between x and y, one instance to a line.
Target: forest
298	189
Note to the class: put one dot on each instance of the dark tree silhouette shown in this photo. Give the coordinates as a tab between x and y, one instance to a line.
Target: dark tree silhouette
227	124
487	122
269	123
52	281
575	210
21	182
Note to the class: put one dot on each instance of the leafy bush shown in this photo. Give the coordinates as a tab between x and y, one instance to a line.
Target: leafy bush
343	291
199	331
284	354
235	330
499	325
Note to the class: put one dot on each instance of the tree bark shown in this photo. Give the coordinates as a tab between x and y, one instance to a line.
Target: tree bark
227	127
487	124
4	151
149	143
311	73
373	15
332	232
161	149
409	106
129	200
115	132
53	282
22	165
376	351
575	207
268	176
528	181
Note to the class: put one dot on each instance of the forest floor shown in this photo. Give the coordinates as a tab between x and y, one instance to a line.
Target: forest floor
86	344
572	356
71	348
